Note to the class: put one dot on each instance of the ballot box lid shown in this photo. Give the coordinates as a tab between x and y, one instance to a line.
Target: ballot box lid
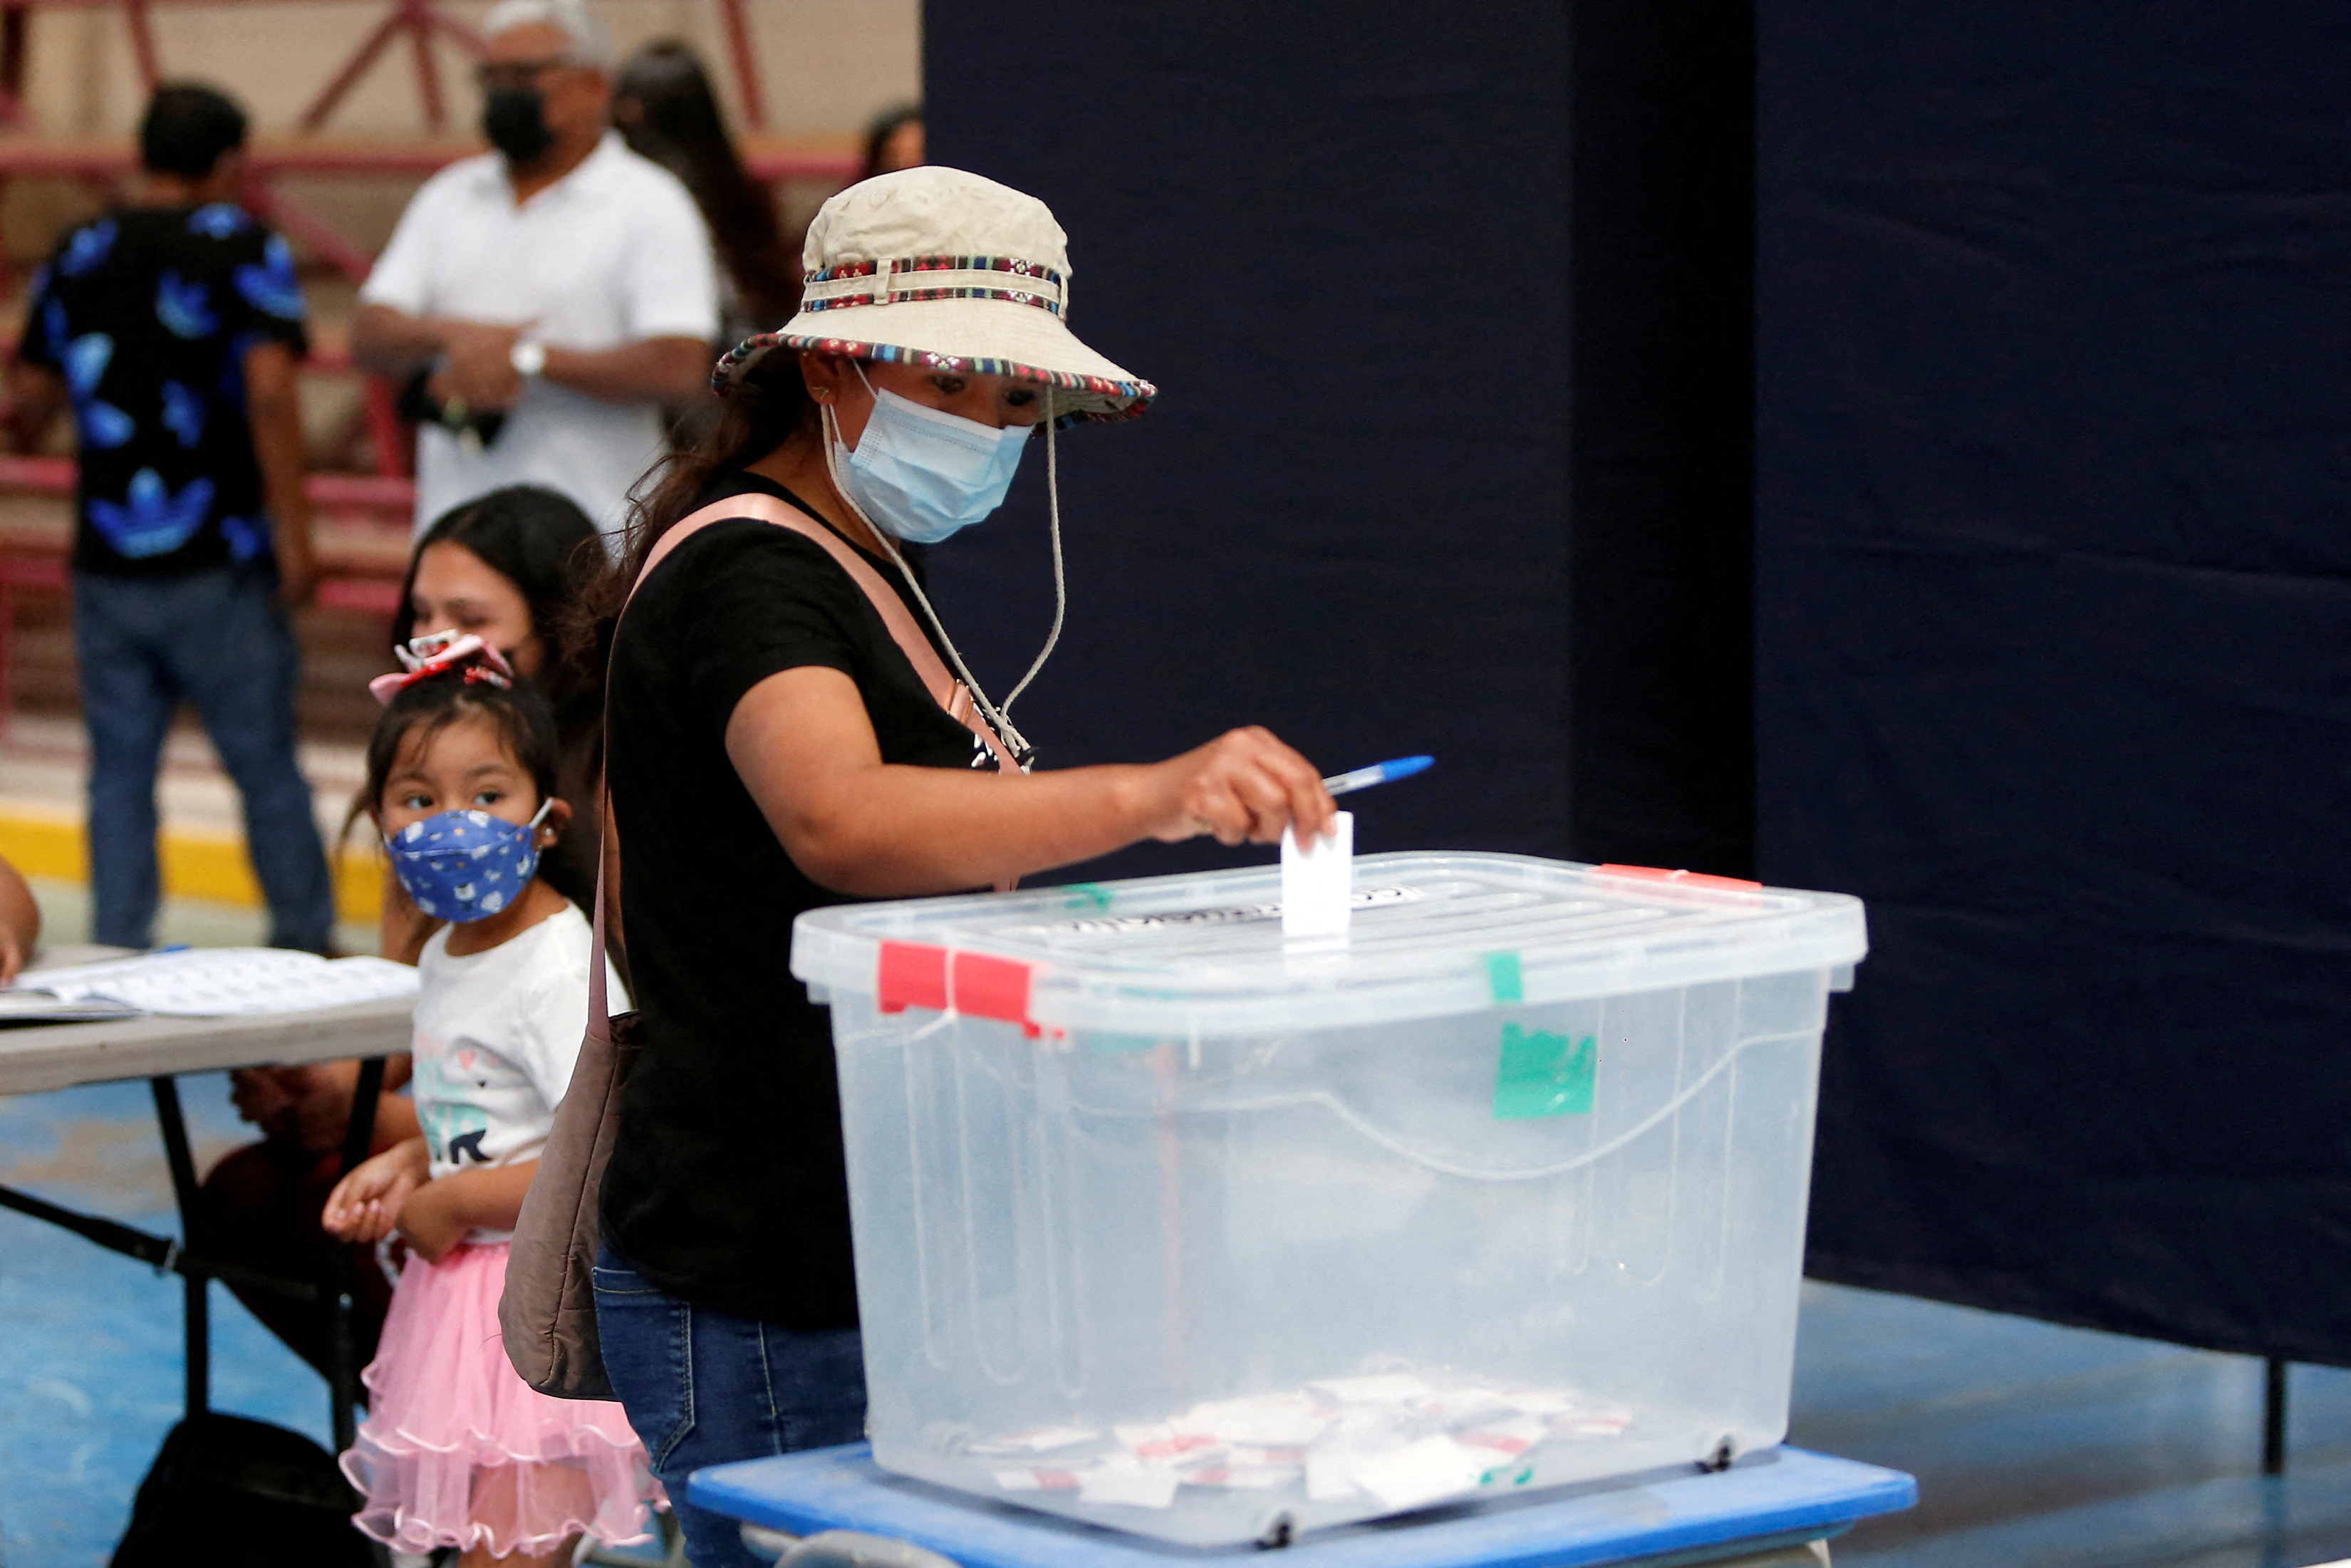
1430	934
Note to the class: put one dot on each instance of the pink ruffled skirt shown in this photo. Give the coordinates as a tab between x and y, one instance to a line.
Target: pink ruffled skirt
459	1451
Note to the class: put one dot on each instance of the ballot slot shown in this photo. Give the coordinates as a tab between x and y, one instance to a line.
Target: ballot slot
1198	1243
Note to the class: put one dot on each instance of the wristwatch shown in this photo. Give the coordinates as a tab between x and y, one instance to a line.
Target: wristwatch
528	358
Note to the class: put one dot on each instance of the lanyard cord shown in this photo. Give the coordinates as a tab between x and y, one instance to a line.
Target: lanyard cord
1060	588
998	717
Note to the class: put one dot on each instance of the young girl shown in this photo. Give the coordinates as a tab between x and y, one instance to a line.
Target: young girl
456	1450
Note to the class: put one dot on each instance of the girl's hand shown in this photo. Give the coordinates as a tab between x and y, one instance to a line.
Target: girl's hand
440	1213
433	1219
1244	787
367	1204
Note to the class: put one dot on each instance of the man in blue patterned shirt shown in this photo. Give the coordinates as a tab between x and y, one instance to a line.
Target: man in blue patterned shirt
172	327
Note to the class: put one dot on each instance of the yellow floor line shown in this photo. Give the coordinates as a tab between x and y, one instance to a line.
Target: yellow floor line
195	864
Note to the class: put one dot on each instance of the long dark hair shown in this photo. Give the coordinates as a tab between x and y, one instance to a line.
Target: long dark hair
540	540
767	408
675	120
878	132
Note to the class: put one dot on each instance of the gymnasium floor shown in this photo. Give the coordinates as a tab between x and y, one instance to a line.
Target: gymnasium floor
2034	1447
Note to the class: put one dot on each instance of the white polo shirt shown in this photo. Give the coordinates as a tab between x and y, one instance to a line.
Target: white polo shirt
613	253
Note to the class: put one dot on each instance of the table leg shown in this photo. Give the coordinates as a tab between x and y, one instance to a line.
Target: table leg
2273	1416
342	1370
195	1282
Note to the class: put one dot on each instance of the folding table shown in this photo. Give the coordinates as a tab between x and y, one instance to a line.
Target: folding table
61	1056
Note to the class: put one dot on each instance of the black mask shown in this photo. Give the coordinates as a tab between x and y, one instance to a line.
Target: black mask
515	119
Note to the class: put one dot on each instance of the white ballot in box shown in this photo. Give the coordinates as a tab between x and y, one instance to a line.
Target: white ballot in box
1160	1227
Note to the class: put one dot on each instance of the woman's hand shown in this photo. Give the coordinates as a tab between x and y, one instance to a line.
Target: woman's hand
1244	787
367	1204
805	750
434	1219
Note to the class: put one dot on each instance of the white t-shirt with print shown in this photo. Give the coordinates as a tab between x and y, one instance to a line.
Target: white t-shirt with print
497	1034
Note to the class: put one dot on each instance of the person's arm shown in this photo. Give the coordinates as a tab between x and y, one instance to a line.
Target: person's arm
805	750
275	408
311	1105
437	1215
396	343
651	370
37	396
480	368
20	922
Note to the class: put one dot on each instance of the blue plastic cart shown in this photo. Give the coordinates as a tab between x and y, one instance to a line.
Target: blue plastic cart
1779	1499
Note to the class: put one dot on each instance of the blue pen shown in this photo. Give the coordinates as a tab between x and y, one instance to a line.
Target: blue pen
1378	773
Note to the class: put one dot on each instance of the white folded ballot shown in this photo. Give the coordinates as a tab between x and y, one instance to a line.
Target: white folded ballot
206	982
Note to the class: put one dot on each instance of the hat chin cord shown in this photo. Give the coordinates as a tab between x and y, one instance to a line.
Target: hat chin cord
1001	716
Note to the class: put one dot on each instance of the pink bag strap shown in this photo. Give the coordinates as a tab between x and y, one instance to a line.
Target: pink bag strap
949	692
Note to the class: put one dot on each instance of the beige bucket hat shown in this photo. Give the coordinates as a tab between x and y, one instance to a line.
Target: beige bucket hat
939	268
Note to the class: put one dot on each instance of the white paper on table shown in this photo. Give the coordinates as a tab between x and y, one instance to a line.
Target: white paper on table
1121	1478
1454	1406
1511	1437
1188	1447
1266	1420
1330	1475
1242	1478
1428	1471
1037	1440
32	1005
231	982
1373	1388
1316	881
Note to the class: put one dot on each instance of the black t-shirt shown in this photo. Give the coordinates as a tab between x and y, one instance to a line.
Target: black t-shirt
727	1185
148	314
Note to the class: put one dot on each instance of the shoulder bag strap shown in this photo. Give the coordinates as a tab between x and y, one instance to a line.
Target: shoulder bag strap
945	690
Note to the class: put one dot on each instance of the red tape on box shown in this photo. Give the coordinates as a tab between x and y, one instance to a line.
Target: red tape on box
912	974
993	989
915	974
1679	878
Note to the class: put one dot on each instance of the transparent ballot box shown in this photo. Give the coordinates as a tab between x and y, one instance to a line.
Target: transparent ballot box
1169	1223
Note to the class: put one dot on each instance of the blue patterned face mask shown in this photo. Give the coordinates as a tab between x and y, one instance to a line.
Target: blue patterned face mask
922	474
466	865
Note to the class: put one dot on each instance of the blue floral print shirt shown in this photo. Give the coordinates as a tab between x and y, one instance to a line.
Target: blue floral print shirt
148	313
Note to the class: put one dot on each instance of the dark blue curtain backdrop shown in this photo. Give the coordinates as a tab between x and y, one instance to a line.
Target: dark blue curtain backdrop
1336	249
1339	238
2053	646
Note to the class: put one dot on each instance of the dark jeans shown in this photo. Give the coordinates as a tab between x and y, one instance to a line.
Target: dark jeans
219	641
702	1388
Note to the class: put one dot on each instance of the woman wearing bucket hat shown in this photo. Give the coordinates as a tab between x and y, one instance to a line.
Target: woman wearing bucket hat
784	733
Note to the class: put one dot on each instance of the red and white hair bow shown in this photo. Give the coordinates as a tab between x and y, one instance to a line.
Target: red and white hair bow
437	654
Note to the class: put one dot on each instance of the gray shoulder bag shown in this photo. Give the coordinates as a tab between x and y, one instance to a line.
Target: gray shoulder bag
547	1314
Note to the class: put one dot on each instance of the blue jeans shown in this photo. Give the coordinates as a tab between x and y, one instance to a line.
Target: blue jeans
703	1388
219	641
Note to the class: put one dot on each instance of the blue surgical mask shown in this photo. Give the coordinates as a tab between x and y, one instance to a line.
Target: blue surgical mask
466	865
922	474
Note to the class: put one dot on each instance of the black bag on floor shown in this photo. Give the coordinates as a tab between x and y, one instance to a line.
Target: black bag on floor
236	1493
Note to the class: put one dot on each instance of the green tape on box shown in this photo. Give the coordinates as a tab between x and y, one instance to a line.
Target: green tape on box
1502	979
1544	1074
1090	895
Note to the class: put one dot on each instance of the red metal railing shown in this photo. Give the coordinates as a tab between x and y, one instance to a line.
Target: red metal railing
360	580
419	21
